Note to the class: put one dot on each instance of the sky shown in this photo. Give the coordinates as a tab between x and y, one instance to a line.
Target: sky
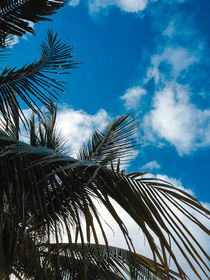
150	58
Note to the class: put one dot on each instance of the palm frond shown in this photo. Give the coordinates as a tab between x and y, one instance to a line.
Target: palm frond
86	261
32	81
16	15
116	141
47	134
91	262
45	190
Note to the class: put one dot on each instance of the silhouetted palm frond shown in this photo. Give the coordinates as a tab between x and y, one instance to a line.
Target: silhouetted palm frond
32	82
45	191
47	134
16	15
91	262
116	141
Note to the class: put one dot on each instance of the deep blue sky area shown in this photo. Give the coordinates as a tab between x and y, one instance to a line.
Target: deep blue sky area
152	61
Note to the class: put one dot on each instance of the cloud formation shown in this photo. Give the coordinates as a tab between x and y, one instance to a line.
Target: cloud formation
130	6
174	60
174	117
74	3
150	166
77	125
178	121
132	97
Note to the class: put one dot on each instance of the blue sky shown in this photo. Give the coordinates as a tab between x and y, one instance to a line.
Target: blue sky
149	58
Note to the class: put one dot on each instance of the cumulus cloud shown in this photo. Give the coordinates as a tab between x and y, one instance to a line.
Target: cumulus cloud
152	165
175	119
132	97
77	125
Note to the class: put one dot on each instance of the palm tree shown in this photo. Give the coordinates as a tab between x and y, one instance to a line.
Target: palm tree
45	192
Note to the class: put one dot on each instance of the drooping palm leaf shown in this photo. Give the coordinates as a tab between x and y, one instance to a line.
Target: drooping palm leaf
91	262
16	15
48	187
116	141
31	83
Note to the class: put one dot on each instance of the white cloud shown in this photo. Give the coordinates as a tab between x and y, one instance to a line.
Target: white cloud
131	6
74	3
151	165
178	58
132	97
77	125
178	121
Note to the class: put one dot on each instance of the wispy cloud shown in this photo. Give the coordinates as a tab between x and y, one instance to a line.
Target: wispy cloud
131	6
150	166
74	3
132	97
173	61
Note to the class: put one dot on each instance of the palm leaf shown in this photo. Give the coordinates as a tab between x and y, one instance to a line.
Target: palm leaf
116	141
57	188
89	262
16	15
47	134
44	191
32	81
100	262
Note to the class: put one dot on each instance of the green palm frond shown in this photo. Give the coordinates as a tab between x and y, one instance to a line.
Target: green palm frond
116	141
32	82
16	15
45	188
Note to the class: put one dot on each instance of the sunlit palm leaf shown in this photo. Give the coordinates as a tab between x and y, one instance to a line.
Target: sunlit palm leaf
32	82
16	14
116	141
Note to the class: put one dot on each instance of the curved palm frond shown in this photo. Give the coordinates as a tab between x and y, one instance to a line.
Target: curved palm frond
33	81
90	262
49	190
16	15
116	141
